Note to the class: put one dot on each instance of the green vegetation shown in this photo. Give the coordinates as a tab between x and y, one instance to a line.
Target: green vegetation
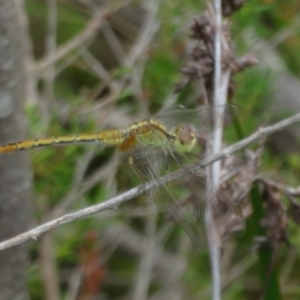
114	241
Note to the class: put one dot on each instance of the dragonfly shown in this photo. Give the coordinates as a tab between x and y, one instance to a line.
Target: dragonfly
173	130
149	148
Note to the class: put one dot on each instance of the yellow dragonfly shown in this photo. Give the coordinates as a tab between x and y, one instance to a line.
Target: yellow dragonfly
148	144
173	130
148	147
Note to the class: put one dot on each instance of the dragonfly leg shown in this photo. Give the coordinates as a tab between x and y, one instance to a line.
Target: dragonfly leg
134	170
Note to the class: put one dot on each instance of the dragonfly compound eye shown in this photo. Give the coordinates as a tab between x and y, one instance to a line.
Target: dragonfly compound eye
185	138
186	134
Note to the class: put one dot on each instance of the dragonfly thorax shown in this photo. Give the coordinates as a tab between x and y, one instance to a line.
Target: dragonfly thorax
185	138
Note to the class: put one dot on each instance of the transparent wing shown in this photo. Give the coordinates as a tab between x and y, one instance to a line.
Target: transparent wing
182	201
145	163
185	201
148	163
202	118
227	214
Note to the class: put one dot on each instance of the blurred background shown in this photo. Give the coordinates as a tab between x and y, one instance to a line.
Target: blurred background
80	66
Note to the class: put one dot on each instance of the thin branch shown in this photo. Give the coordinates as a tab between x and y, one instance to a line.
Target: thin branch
49	76
95	65
146	33
294	191
113	203
101	72
114	42
50	47
124	237
139	51
286	33
31	91
144	274
233	275
48	267
68	60
79	40
133	60
74	285
78	190
221	82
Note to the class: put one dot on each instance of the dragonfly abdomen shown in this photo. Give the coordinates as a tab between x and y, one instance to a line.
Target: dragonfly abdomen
37	143
112	136
109	137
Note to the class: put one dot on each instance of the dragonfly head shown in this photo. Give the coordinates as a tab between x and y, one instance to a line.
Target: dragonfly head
185	138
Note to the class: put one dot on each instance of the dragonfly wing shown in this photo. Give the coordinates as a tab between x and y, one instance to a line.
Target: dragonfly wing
227	214
145	154
148	163
145	163
183	201
204	118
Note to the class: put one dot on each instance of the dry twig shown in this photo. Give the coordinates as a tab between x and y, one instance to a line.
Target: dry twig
78	41
113	203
